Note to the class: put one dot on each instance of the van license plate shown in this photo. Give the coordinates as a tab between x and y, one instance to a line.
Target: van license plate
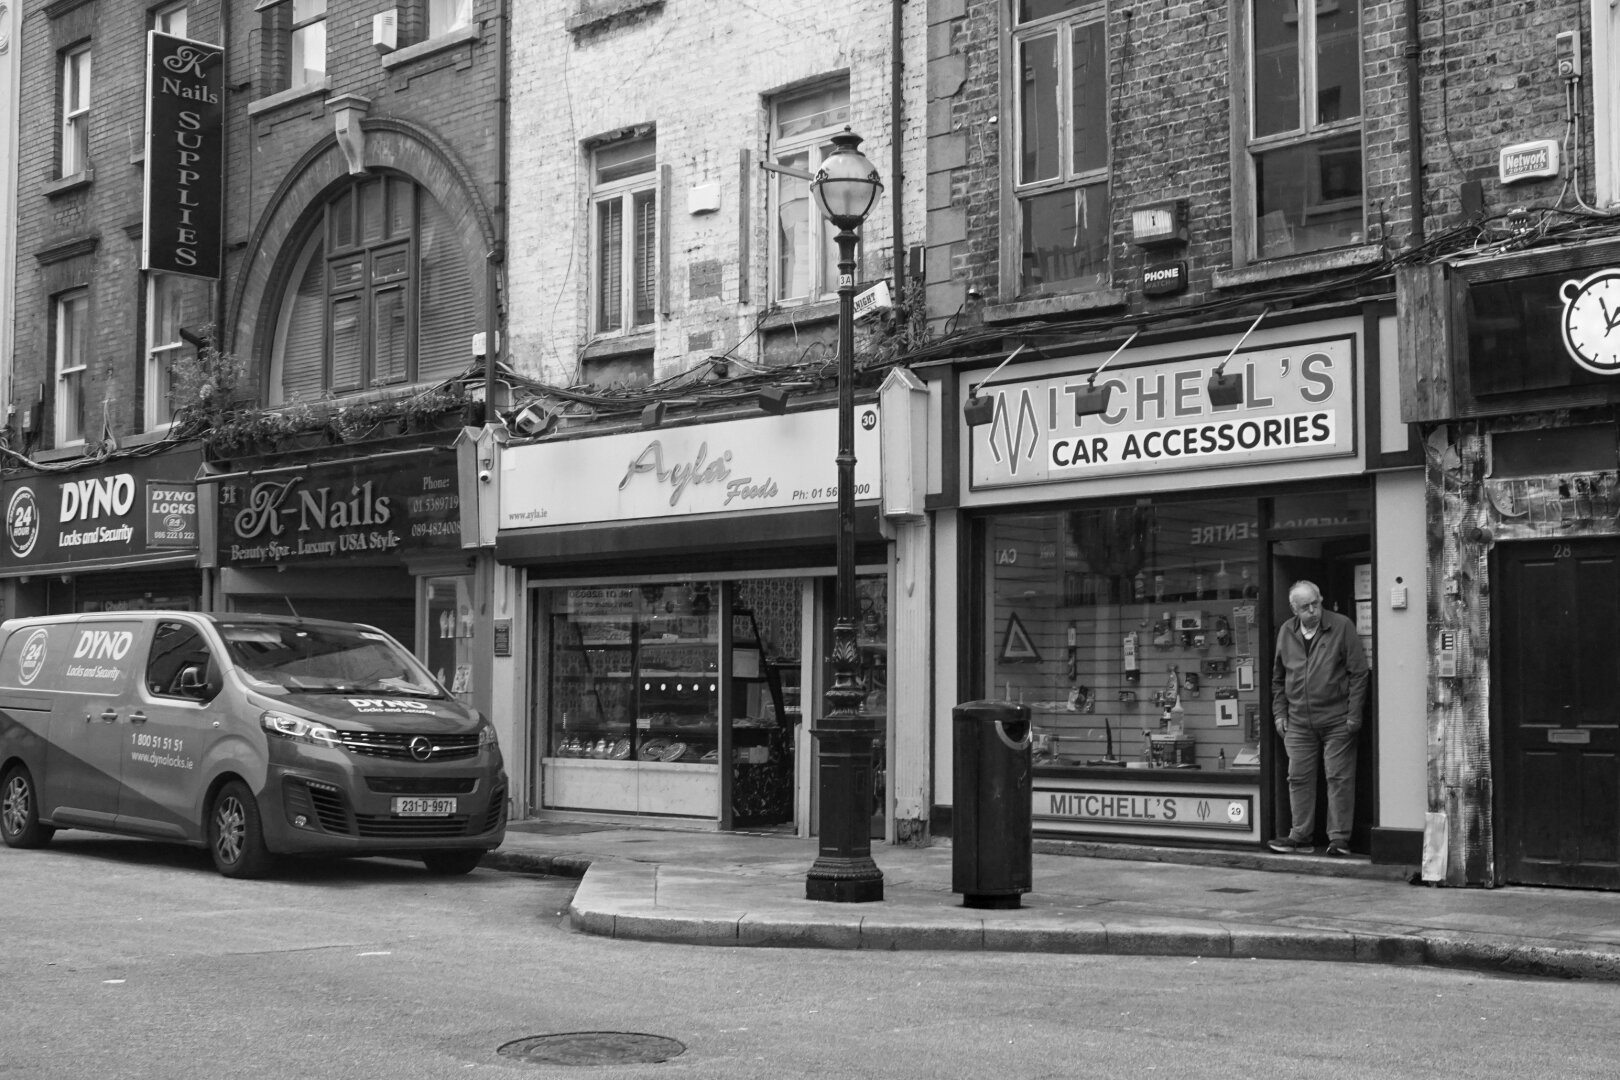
415	807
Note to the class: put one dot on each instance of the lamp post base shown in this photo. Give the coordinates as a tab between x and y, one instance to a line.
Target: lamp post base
845	881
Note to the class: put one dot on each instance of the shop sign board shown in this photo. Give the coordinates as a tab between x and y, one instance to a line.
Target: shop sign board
359	509
1147	808
185	156
101	515
736	466
1298	404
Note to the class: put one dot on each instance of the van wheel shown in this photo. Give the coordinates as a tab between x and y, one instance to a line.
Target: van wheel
235	836
451	863
20	826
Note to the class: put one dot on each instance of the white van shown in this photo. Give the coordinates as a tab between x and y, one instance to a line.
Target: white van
251	735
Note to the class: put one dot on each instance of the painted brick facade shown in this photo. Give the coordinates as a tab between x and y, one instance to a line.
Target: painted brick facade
699	75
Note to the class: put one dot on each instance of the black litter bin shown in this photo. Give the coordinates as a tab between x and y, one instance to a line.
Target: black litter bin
991	831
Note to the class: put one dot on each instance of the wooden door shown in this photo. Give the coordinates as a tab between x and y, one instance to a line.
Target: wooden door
1556	623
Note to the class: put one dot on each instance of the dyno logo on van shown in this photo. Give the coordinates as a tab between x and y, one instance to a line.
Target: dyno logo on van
103	644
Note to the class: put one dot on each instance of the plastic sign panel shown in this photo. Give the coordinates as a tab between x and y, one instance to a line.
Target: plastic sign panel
185	156
1298	403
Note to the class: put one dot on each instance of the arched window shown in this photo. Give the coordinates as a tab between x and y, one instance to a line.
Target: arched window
381	294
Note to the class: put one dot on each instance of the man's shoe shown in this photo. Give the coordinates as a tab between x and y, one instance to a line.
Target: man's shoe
1287	845
1339	849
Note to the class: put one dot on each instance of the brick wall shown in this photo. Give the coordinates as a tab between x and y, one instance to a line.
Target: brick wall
701	74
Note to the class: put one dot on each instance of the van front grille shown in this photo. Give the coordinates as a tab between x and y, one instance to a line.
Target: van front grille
497	811
422	785
411	828
404	747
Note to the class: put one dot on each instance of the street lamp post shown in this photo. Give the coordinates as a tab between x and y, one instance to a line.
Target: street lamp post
845	188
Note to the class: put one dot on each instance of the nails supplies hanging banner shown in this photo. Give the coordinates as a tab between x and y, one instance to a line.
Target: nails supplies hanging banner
1298	403
185	156
762	463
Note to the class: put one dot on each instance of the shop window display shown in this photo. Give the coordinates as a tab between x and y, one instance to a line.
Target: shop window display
1131	632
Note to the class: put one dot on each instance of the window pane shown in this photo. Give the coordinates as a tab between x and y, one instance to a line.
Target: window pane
388	309
1065	236
646	256
812	112
308	54
167	311
793	256
1275	91
346	344
610	265
72	350
1309	196
340	220
447	314
1039	101
624	160
1338	63
399	207
1030	10
447	15
371	213
172	21
1090	63
349	272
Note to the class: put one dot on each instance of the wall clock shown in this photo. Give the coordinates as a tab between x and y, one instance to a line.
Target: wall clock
1591	322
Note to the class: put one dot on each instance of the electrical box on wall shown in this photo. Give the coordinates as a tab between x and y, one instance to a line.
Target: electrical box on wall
1567	49
385	30
1159	223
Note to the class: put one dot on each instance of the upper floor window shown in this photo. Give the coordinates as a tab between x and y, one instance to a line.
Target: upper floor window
444	16
72	318
307	42
75	153
381	294
171	302
1060	97
1606	101
624	229
170	20
804	258
1305	166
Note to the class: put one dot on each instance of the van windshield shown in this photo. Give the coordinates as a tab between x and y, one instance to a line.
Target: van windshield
326	659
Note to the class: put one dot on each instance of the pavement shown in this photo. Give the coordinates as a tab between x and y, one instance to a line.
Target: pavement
700	886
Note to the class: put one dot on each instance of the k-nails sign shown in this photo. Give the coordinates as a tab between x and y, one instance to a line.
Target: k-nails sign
185	156
1299	402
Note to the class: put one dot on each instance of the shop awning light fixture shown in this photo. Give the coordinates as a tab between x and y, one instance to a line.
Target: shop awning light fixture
533	419
774	400
1227	389
1094	399
978	410
653	415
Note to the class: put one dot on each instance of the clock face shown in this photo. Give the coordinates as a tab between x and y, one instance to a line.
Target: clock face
1591	324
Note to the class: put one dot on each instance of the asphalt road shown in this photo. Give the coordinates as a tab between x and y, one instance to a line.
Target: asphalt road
121	958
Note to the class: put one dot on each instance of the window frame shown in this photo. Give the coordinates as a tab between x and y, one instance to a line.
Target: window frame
1246	148
70	311
1062	27
158	405
1605	59
296	79
815	144
627	193
461	16
76	78
163	19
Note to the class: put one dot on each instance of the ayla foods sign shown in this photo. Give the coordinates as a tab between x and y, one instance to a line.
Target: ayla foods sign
1298	403
763	463
185	144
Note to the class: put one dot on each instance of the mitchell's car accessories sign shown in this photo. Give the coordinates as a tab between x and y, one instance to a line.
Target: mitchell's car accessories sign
1298	402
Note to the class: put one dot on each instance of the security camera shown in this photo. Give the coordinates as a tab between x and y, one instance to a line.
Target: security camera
485	476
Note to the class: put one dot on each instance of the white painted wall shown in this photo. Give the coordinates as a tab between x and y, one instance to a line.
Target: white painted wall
1402	651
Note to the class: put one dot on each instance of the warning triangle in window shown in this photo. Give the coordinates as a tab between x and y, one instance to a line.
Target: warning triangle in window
1016	645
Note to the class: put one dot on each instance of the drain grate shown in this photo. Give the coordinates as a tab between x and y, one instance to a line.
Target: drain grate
593	1048
1231	889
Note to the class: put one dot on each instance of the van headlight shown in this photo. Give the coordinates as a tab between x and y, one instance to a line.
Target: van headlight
298	729
486	734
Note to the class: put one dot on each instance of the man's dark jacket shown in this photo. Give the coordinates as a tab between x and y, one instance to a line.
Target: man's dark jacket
1325	682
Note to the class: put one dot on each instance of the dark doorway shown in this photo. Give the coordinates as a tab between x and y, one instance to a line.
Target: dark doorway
1332	564
1556	624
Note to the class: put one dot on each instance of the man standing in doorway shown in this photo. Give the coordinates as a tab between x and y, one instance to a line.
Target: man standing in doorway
1318	690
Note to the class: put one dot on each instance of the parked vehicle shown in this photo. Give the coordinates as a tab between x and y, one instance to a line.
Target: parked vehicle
250	735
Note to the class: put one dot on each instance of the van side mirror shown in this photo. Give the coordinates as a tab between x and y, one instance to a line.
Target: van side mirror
192	681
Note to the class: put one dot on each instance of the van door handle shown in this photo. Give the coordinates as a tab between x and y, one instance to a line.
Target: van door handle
108	716
137	717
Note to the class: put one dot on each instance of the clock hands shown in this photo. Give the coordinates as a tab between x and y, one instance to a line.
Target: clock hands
1610	321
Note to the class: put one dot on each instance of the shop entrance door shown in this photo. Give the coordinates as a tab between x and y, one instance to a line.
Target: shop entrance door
1332	564
1557	631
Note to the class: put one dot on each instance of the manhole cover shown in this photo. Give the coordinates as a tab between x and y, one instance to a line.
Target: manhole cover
593	1048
